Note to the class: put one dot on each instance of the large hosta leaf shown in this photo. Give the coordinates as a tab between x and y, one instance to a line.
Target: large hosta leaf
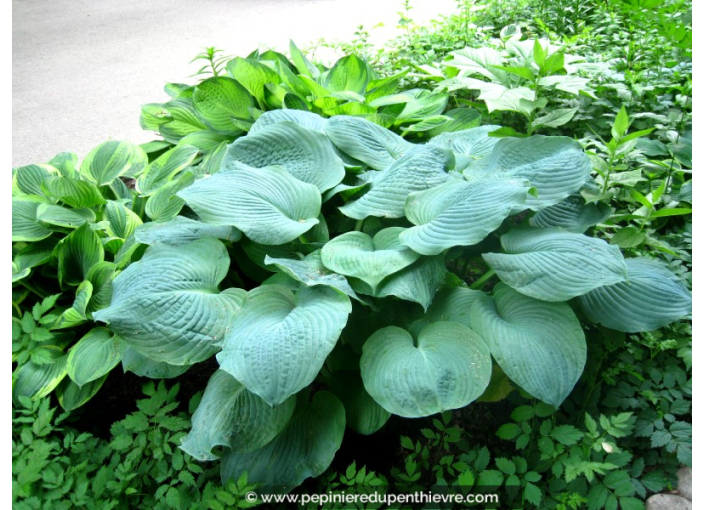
539	345
94	355
25	225
555	165
365	141
310	271
459	213
307	154
371	260
307	120
28	179
141	365
167	306
304	449
221	102
651	298
554	265
446	367
423	168
278	342
36	380
110	160
72	191
468	144
182	230
350	73
232	416
453	305
267	204
572	214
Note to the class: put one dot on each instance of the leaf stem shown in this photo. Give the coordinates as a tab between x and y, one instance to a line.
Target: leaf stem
358	225
482	280
32	289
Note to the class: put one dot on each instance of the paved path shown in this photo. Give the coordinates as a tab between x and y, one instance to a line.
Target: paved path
81	69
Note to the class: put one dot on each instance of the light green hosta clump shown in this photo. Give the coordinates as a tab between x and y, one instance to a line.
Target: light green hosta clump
342	277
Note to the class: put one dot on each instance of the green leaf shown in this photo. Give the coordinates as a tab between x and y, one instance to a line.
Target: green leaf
462	119
28	179
164	204
77	313
278	342
167	306
423	168
362	413
66	163
350	73
267	204
122	221
311	272
73	192
555	118
539	54
628	237
459	213
77	253
554	265
304	449
523	72
72	396
556	166
306	154
424	104
232	416
25	226
113	159
365	141
220	102
183	121
572	214
446	367
303	65
37	381
566	434
182	230
164	168
651	298
253	75
94	355
141	365
371	260
59	216
620	125
539	345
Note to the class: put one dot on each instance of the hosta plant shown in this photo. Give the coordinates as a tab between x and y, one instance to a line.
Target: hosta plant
332	296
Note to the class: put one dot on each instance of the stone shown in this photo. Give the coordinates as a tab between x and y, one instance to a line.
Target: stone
684	482
667	502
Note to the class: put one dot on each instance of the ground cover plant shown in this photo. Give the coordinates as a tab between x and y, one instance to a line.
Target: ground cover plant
349	246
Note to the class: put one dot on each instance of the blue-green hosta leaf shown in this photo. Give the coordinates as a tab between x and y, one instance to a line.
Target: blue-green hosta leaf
141	365
423	168
539	345
252	74
468	144
555	165
304	119
73	192
72	396
38	380
362	413
350	73
94	355
306	154
28	179
371	260
278	342
167	306
113	159
25	225
459	213
221	102
365	141
572	214
652	297
182	230
311	272
453	305
230	415
121	220
417	282
267	204
304	449
554	265
77	253
59	216
165	167
446	367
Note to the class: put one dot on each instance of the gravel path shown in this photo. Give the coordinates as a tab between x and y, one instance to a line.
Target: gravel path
81	69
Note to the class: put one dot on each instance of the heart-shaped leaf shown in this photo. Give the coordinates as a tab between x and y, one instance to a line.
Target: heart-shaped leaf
267	204
278	342
554	265
229	415
539	345
371	260
446	367
167	306
652	297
